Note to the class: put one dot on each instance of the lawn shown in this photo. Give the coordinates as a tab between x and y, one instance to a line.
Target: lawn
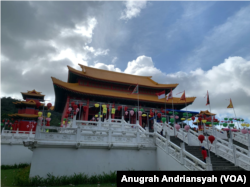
7	179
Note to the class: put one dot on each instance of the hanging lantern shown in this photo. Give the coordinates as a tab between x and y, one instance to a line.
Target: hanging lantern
176	117
113	111
135	109
63	122
199	118
185	114
48	119
104	110
170	112
171	116
144	115
72	103
193	118
77	110
183	119
189	115
96	115
140	113
39	114
244	131
186	127
231	119
85	108
119	108
243	125
189	119
49	105
159	115
197	121
131	112
69	109
74	113
225	118
97	105
142	109
162	111
75	106
247	125
48	114
27	126
125	108
151	114
242	120
163	120
104	106
172	120
38	104
224	124
100	116
204	121
211	139
66	116
177	126
231	125
176	113
201	138
68	112
3	120
64	119
126	113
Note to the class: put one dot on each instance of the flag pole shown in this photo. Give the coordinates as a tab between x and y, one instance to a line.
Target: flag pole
138	101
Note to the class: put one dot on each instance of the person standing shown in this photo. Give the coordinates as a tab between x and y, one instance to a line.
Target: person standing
204	154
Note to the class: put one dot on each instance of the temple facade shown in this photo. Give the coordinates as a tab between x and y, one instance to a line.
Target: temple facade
91	89
26	118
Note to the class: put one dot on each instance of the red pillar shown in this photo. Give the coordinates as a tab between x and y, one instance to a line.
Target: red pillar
87	111
65	108
140	120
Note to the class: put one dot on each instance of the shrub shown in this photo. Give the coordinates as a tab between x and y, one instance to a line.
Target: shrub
15	166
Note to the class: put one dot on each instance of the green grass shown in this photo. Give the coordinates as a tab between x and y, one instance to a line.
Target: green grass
10	177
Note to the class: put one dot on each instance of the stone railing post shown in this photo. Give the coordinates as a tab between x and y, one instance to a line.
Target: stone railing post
209	164
182	152
164	128
137	134
110	134
78	134
74	122
235	156
122	124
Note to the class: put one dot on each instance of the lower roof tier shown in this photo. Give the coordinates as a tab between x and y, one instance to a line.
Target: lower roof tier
63	89
24	115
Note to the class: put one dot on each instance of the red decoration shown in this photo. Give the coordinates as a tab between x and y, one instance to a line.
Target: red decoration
201	138
85	108
3	120
74	113
125	108
211	139
159	115
193	118
199	118
74	106
16	121
119	108
151	114
68	112
167	112
72	117
49	105
66	116
38	104
72	103
8	121
162	111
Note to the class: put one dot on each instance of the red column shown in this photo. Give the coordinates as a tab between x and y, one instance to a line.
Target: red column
140	120
87	111
65	108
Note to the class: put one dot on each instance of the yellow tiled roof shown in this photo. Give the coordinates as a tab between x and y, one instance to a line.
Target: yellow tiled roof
113	93
119	77
33	93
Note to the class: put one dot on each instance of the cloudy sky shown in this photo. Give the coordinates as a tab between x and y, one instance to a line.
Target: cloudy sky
200	45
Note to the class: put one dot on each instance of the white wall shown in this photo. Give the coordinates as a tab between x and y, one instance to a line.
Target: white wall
67	161
166	162
15	154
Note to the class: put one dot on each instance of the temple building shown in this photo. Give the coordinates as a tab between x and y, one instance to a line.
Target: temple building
92	86
26	118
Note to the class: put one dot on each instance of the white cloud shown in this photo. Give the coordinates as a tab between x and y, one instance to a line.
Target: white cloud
114	60
133	9
221	39
230	79
106	67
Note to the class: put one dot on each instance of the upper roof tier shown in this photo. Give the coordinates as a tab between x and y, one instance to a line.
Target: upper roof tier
75	87
32	93
118	77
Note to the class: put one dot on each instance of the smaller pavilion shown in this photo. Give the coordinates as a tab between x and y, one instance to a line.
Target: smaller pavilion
26	118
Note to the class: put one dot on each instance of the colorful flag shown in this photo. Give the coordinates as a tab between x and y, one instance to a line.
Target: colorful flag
231	104
208	102
161	95
136	90
170	95
183	97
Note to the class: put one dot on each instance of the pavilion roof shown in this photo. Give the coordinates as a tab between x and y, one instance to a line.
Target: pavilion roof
32	93
75	87
119	77
206	112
